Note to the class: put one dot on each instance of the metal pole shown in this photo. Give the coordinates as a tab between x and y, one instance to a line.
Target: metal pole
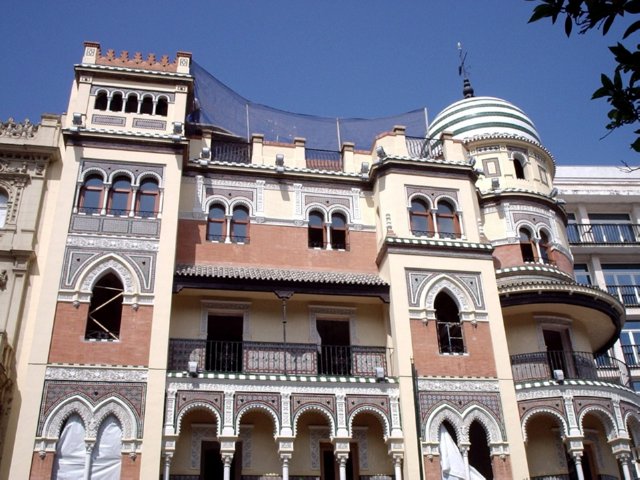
284	295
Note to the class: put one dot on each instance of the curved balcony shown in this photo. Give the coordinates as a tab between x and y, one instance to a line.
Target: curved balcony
573	365
277	358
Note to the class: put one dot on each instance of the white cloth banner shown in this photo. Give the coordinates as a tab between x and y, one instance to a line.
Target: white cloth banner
452	462
106	457
71	452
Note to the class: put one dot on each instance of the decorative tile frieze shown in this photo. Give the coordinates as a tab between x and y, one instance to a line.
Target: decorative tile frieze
112	120
90	374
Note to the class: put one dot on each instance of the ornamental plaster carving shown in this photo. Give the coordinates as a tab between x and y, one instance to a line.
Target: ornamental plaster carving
315	408
419	281
200	433
442	385
112	243
14	129
378	413
108	263
258	406
245	435
92	417
197	405
317	434
431	429
432	194
606	417
359	434
95	374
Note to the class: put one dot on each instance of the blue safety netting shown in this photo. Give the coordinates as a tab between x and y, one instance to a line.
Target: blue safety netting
218	105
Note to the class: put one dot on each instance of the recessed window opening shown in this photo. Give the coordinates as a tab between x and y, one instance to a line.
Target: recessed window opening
334	357
518	166
4	200
338	232
544	247
91	194
102	100
420	218
119	196
105	309
448	324
526	245
147	202
240	225
216	223
447	221
162	107
316	230
147	105
116	102
132	104
224	343
479	451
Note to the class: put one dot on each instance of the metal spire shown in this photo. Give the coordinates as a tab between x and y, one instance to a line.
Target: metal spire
467	89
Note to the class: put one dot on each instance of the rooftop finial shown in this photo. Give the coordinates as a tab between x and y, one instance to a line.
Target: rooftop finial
467	89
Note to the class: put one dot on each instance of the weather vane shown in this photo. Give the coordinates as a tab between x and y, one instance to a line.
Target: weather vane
467	89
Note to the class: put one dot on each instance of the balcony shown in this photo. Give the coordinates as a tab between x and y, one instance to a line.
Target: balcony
629	295
277	358
603	233
232	152
323	159
575	366
631	355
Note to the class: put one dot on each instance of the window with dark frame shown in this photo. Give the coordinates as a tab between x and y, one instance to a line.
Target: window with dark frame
147	200
527	247
216	223
91	194
338	232
162	107
147	105
102	101
420	218
447	221
131	105
448	324
116	102
316	230
240	225
545	248
119	196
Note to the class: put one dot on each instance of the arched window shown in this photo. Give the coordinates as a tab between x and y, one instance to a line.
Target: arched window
101	101
338	232
240	225
147	202
479	451
316	230
119	196
545	253
91	194
162	107
448	324
518	166
132	104
4	206
105	309
526	246
216	223
106	456
116	102
71	450
447	221
147	105
420	218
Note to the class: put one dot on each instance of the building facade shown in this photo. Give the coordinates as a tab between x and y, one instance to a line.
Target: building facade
222	295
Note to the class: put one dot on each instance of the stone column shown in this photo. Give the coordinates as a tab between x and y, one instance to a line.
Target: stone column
577	459
285	466
464	450
89	444
227	458
168	456
342	458
624	458
227	222
397	467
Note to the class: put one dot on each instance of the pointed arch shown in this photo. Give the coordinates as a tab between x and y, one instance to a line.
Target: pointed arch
444	412
115	407
458	292
476	413
109	263
258	406
198	406
382	417
315	408
543	411
52	425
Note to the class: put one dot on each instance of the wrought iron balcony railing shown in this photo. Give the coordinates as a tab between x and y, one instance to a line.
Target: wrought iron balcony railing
279	358
603	233
574	365
629	295
233	152
420	147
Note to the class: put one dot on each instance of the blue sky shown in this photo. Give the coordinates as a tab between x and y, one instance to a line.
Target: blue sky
335	58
